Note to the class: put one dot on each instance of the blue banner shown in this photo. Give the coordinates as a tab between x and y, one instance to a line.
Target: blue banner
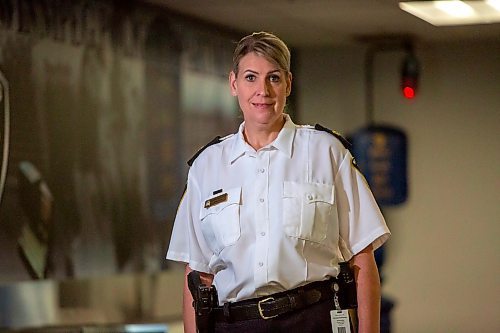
381	155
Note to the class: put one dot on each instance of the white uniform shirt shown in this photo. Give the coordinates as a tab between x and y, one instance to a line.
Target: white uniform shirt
271	220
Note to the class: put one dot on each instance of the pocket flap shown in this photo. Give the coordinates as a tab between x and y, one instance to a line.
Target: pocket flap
309	192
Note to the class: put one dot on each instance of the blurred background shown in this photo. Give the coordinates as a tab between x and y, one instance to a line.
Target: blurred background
103	102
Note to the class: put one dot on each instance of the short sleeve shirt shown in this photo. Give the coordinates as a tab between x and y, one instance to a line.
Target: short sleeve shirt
274	219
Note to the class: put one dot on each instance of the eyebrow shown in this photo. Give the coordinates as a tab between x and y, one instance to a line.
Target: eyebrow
255	72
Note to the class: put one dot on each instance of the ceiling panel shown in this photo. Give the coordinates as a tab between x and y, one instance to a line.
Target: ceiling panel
323	22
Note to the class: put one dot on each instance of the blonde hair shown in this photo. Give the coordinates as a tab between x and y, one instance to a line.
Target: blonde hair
264	44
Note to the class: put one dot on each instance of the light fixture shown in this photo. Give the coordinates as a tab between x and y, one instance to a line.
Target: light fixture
495	4
454	12
409	75
455	8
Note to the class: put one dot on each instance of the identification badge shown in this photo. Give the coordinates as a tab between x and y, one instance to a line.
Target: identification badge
340	321
215	201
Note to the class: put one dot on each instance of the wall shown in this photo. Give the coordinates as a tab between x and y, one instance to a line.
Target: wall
102	106
108	101
442	260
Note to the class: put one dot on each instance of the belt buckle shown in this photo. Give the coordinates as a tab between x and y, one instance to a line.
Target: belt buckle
261	311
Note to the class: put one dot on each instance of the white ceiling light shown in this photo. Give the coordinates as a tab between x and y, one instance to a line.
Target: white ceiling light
455	8
494	3
454	12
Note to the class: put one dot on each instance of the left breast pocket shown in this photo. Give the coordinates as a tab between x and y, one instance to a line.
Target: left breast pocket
307	210
220	219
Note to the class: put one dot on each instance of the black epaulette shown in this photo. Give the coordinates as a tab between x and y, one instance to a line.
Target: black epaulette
343	140
217	139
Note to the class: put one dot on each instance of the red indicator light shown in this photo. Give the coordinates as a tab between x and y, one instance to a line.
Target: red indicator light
409	76
408	92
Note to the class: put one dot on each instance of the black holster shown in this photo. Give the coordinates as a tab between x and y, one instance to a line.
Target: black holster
347	294
204	300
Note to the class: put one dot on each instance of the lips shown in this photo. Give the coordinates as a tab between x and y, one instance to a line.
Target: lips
262	105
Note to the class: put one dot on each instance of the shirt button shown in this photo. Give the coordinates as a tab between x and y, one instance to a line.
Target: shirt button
261	264
261	200
309	196
261	170
262	233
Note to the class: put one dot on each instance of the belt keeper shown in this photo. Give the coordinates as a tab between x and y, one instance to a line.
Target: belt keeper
293	302
226	310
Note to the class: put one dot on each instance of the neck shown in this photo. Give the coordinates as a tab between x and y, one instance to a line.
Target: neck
258	137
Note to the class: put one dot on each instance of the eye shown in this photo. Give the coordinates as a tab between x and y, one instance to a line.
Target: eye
274	78
250	77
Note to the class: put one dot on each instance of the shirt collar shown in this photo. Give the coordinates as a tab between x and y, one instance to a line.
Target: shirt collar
239	145
283	142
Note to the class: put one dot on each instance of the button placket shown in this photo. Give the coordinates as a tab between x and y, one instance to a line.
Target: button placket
262	217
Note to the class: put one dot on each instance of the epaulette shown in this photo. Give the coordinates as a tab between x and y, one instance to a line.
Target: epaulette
215	140
343	140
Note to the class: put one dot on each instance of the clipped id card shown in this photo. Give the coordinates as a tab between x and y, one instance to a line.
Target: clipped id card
340	321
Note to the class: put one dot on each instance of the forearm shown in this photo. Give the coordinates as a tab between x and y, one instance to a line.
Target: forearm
187	307
368	290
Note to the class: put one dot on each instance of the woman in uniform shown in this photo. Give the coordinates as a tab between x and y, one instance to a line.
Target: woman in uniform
270	212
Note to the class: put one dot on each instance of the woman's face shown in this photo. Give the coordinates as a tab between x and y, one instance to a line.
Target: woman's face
262	88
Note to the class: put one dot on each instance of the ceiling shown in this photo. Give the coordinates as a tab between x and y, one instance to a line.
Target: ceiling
306	23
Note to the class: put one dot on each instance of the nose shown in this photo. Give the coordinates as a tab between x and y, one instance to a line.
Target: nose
263	88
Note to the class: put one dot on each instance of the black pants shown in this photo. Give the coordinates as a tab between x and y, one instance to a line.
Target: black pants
313	319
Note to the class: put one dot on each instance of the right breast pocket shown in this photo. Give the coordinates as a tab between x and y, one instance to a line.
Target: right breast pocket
308	210
220	219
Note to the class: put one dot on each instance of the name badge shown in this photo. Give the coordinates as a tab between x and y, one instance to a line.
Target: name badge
216	200
340	321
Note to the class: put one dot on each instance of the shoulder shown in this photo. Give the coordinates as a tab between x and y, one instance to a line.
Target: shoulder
215	141
337	135
326	132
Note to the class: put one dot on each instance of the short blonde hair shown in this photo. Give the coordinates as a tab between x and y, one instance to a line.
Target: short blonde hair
264	44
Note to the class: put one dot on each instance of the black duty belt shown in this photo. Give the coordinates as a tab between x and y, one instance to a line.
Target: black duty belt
277	304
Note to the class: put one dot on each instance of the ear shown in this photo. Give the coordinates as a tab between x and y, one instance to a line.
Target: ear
232	83
289	84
